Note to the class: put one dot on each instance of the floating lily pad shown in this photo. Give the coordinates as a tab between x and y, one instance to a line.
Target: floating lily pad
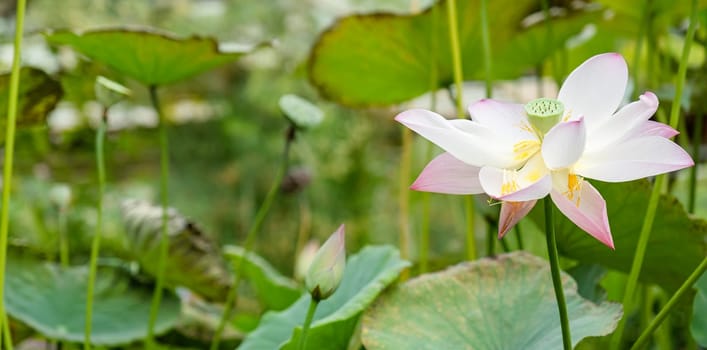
194	259
52	300
149	56
38	95
675	237
699	312
502	303
275	290
367	274
301	112
382	59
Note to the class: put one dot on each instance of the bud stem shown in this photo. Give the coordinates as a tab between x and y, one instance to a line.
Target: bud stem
307	322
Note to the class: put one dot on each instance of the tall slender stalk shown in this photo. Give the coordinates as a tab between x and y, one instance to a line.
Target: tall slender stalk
164	238
404	198
96	245
459	99
9	153
307	323
644	235
670	305
555	271
63	238
696	143
232	296
6	334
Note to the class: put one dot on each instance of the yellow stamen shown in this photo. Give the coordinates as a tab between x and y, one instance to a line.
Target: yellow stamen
525	149
510	184
574	186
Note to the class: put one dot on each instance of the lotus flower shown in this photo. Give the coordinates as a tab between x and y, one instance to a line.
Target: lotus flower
518	154
327	268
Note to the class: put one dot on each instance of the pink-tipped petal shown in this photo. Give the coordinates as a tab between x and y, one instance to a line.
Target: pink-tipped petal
653	128
587	209
503	118
564	144
624	123
511	214
470	142
446	174
633	159
595	88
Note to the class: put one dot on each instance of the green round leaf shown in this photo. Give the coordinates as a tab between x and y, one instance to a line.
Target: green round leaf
301	112
38	95
502	303
150	56
52	300
367	274
699	312
676	237
383	59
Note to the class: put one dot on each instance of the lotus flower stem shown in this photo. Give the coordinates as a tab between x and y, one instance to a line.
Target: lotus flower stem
307	322
232	296
96	244
555	270
657	185
7	164
696	143
670	305
459	100
490	240
404	197
519	237
486	42
6	333
164	239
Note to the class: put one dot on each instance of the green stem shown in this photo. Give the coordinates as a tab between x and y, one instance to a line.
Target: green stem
459	99
670	305
307	322
657	186
9	152
6	335
696	143
639	46
456	56
555	270
490	241
404	197
486	42
232	296
164	235
96	245
63	239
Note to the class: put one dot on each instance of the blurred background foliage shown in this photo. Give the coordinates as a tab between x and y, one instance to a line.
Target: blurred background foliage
227	130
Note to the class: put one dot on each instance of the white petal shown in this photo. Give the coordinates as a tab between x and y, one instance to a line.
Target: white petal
564	144
624	123
633	159
595	88
653	128
503	118
446	174
531	182
467	141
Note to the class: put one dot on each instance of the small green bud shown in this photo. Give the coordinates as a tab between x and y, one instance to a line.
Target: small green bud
544	113
327	269
108	92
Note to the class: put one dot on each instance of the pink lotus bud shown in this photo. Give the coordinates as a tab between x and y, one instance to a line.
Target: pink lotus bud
327	268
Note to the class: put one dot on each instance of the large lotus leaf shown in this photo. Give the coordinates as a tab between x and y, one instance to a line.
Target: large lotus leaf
149	56
382	59
38	95
52	300
502	303
367	274
275	290
676	246
194	259
699	312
